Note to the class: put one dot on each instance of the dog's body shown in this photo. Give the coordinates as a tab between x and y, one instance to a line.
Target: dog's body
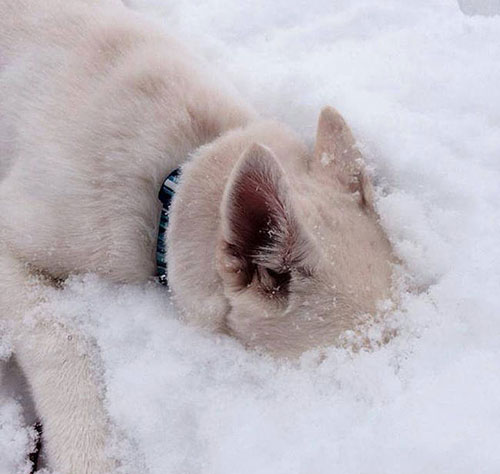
267	242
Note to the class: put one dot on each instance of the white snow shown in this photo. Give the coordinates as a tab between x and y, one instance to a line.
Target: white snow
16	439
419	83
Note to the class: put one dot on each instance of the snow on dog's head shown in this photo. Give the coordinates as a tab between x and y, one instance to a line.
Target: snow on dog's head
299	255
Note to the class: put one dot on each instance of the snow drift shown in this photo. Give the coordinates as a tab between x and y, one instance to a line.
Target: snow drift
418	83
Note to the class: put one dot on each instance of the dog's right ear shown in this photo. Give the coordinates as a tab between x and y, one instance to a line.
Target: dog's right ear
336	153
261	238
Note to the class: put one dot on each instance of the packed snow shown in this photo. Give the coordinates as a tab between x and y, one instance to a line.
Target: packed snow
418	81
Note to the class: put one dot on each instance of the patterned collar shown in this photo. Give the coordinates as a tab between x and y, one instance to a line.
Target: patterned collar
166	196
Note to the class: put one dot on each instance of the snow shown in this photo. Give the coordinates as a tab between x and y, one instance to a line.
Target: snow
15	438
418	82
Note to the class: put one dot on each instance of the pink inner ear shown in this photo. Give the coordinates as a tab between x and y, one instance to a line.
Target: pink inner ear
263	239
255	213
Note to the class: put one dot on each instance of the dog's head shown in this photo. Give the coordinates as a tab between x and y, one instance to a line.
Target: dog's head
302	258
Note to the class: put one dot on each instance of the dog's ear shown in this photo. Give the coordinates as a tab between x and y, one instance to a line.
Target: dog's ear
336	149
261	237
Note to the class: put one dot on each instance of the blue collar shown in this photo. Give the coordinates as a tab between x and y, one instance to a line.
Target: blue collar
166	196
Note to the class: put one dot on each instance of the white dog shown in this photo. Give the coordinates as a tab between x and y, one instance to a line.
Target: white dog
268	242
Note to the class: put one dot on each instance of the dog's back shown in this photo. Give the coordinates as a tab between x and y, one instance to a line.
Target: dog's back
35	38
111	105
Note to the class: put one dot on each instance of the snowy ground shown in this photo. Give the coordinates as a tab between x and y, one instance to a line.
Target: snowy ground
419	83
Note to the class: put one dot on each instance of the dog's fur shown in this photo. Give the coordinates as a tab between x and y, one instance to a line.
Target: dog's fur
268	242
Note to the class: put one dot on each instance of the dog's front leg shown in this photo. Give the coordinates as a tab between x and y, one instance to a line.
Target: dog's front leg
57	364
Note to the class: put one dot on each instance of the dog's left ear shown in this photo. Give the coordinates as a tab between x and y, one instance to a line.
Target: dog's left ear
261	237
336	149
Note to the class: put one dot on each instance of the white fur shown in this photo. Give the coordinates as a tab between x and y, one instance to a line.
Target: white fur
97	107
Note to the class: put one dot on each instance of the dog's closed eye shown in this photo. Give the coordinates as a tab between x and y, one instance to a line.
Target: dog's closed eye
274	283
